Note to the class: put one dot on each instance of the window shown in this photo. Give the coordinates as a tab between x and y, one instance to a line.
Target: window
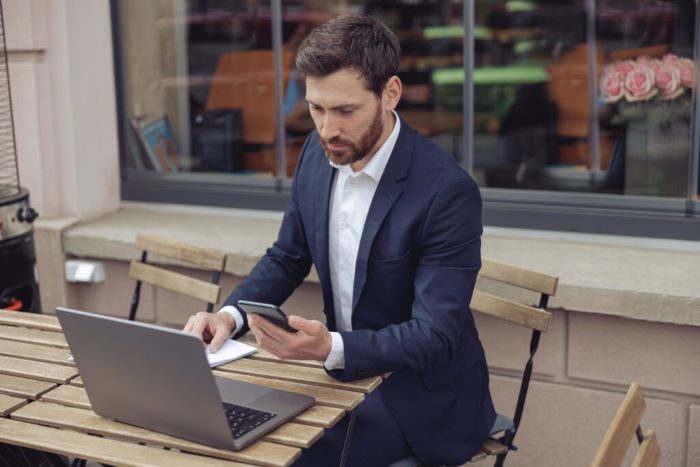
535	98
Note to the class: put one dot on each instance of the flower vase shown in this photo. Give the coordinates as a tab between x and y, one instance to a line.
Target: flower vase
657	150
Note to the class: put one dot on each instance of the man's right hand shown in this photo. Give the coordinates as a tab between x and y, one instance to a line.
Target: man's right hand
212	328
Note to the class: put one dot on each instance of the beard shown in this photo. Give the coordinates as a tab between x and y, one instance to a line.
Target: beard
356	152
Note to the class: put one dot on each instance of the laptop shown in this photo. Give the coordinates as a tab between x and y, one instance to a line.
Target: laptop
159	378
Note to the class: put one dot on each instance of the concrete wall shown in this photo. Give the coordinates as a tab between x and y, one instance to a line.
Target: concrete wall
582	369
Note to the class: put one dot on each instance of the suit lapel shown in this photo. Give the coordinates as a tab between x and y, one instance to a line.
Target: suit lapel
324	181
388	191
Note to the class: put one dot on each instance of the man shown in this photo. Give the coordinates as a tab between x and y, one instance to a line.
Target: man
393	227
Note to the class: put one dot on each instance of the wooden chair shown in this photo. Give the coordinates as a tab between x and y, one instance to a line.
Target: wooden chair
202	258
623	427
535	318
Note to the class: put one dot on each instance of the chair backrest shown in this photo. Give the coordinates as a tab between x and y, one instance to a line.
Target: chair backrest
203	258
625	424
535	318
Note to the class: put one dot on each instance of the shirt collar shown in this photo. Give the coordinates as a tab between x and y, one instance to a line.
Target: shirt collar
376	165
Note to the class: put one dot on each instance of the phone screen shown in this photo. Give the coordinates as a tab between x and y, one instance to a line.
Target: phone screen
268	311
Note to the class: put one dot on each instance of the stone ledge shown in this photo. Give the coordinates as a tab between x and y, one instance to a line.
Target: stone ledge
647	279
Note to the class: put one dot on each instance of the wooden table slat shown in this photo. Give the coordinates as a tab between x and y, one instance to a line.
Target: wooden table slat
88	422
36	370
346	400
71	396
40	353
30	320
295	434
9	404
324	417
33	336
296	373
96	449
77	381
23	387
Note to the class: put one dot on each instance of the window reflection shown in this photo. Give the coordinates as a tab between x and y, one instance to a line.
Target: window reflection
646	87
199	86
533	125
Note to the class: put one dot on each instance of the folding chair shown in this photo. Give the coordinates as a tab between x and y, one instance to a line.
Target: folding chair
504	429
202	258
623	427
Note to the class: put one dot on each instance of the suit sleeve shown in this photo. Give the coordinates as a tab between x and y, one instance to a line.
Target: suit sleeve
445	275
284	266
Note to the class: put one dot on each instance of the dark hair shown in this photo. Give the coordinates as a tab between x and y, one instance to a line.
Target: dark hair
352	41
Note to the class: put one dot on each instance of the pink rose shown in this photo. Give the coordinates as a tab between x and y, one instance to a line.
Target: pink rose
639	85
645	61
669	59
686	68
668	80
613	86
625	66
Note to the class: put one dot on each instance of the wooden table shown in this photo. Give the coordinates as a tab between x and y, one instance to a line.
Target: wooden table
44	406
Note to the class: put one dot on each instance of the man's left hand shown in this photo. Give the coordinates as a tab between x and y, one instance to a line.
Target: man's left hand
312	341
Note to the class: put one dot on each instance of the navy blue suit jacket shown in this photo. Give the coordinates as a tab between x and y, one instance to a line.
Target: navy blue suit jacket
416	268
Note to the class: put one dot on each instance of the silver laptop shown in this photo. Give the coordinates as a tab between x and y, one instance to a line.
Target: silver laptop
159	378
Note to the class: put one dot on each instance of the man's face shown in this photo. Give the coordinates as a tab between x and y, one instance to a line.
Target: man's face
348	116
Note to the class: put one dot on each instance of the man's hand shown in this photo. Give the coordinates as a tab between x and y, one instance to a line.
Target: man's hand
312	341
212	328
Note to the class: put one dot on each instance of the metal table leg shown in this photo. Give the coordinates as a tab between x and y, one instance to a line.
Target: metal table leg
348	438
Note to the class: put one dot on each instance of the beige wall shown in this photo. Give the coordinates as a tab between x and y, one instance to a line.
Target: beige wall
62	81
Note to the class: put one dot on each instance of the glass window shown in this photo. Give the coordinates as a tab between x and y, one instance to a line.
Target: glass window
579	96
646	94
571	104
198	86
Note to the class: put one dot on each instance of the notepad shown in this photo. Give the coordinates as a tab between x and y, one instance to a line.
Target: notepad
230	351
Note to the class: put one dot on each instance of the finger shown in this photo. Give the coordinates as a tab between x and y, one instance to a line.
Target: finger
188	324
220	336
311	327
271	329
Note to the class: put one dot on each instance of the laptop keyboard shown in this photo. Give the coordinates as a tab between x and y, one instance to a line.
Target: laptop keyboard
242	419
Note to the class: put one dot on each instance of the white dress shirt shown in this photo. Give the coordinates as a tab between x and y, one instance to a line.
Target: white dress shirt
351	196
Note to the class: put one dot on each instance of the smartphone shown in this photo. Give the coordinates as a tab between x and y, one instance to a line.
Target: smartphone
267	311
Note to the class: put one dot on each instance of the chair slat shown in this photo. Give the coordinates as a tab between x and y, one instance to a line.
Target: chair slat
204	257
96	449
514	312
175	282
649	452
531	280
493	447
617	439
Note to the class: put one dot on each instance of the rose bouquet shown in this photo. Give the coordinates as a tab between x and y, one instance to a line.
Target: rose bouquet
628	84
